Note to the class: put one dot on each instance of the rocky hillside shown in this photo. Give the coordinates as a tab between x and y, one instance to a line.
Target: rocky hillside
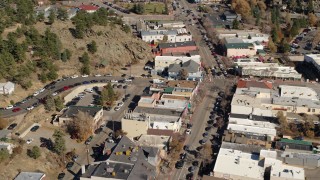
114	45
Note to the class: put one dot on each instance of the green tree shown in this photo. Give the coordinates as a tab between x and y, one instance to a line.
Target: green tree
59	145
108	96
64	56
34	152
154	10
284	46
235	24
62	14
293	5
68	53
52	74
58	103
40	17
85	69
166	9
310	7
4	154
92	47
274	35
49	105
85	58
52	17
43	77
126	28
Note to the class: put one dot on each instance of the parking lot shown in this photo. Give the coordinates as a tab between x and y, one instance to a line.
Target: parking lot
302	43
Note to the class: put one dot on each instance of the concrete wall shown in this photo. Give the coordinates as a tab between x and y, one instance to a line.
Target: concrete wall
134	128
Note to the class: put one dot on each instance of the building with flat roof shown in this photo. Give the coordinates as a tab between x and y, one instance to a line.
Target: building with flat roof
30	176
286	144
247	36
270	70
177	47
248	164
238	49
6	88
172	36
71	112
163	62
235	164
151	121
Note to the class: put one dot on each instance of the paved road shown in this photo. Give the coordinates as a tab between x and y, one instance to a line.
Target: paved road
57	86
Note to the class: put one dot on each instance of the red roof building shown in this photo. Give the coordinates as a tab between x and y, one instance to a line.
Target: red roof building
88	8
243	83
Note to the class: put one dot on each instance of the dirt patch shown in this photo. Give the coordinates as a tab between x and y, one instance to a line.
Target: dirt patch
47	163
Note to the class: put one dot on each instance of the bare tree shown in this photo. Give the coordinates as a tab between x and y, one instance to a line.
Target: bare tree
206	152
183	74
81	126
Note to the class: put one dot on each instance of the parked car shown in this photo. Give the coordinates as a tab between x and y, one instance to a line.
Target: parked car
30	108
69	165
74	76
29	141
117	108
16	109
188	131
97	75
9	107
88	141
61	176
12	126
34	128
179	164
85	75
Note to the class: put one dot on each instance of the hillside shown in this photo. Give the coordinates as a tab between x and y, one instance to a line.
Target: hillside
113	45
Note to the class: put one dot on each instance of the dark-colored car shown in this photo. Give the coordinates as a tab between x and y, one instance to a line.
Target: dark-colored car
97	131
94	81
12	126
61	176
123	75
186	148
195	163
34	128
189	125
179	164
88	141
183	155
69	165
85	82
108	108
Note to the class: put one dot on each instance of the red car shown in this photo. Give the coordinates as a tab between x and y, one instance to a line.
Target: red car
66	88
16	109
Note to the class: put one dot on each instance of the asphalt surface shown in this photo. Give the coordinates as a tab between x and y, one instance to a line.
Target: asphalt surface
60	85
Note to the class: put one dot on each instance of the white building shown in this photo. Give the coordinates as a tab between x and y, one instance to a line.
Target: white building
240	165
234	164
271	70
162	62
247	36
6	88
177	35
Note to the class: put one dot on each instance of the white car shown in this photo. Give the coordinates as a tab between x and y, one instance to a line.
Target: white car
114	81
97	75
108	75
54	94
120	104
128	80
30	108
85	75
36	93
41	90
74	76
117	108
9	107
89	90
188	131
29	141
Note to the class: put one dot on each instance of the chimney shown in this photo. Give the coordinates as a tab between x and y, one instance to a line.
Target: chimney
83	169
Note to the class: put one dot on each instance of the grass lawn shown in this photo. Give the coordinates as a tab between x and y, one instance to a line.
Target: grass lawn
149	8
